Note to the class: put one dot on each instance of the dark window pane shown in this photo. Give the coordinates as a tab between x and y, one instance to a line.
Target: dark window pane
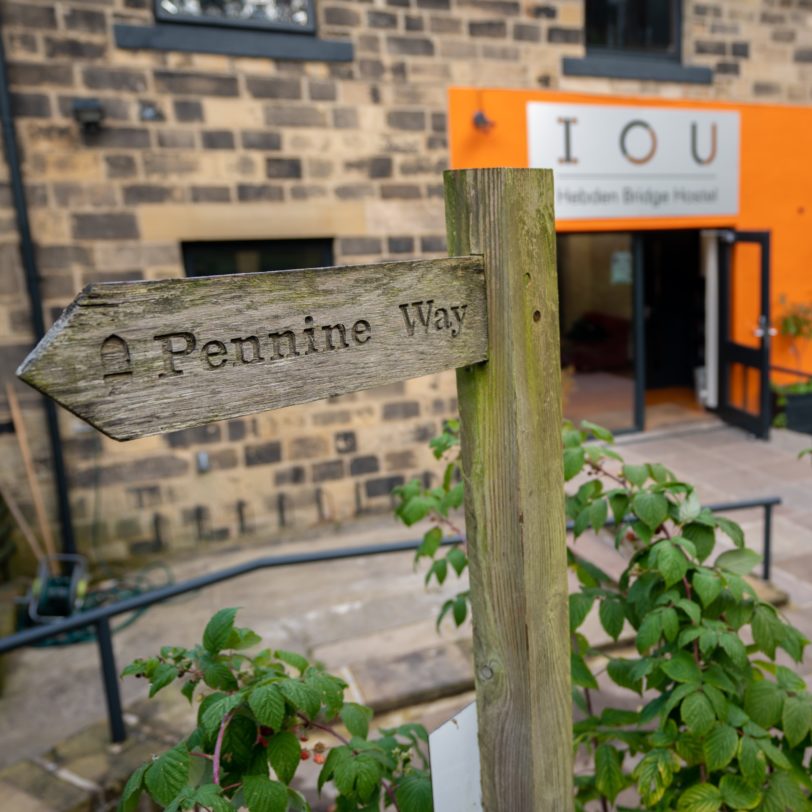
217	258
287	14
637	26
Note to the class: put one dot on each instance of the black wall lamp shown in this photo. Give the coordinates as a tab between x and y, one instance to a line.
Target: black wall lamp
89	114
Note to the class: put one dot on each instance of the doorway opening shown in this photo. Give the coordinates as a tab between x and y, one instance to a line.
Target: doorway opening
674	324
633	327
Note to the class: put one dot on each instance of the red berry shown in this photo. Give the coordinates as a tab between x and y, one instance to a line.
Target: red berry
304	755
319	758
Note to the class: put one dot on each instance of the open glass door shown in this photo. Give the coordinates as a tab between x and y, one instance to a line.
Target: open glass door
744	330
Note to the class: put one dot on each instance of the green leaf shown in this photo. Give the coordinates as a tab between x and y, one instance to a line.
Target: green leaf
358	776
774	754
268	706
580	605
243	638
162	676
697	713
796	719
649	632
720	746
650	508
439	569
619	503
671	563
635	474
458	560
219	677
573	462
654	775
413	793
703	538
334	758
218	630
214	709
599	431
238	742
292	659
732	530
609	778
693	610
788	679
734	648
303	697
460	609
700	798
612	617
581	675
432	540
264	795
767	629
598	513
619	672
284	755
131	794
740	562
752	761
763	702
417	508
682	668
167	775
689	508
707	585
356	719
738	794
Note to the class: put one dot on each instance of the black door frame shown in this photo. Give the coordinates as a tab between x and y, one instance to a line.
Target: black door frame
733	353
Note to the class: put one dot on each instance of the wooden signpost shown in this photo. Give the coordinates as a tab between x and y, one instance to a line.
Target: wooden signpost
139	358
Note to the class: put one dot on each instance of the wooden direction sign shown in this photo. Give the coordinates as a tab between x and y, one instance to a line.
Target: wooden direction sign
139	358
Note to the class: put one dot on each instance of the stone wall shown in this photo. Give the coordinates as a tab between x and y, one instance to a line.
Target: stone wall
206	147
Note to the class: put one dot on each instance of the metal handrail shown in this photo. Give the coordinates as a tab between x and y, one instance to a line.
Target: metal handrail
100	616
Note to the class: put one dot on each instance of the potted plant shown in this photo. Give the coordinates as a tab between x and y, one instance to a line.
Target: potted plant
794	401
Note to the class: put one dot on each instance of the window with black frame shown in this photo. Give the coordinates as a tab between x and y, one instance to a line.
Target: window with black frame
639	27
279	15
635	39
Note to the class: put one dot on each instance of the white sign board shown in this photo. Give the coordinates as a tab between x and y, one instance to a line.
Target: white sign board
455	777
617	162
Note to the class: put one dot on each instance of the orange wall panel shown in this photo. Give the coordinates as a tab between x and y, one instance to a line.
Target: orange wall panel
775	182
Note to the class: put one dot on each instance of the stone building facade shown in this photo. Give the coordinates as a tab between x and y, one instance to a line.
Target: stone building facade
347	145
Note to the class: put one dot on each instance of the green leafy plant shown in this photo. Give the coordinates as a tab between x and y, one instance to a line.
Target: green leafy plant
256	718
716	722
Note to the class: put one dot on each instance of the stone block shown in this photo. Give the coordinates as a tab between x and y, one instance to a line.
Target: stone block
109	226
263	454
195	84
274	87
119	79
84	19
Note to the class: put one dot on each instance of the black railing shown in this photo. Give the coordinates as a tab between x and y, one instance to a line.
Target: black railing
99	617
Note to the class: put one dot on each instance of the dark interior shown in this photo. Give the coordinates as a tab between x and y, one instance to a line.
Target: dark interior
674	307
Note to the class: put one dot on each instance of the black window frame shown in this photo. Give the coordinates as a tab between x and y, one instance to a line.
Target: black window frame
622	63
632	53
162	16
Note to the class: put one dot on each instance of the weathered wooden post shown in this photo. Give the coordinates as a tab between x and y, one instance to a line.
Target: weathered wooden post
510	409
139	358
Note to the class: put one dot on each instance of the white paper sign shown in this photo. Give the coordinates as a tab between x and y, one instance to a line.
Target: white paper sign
455	764
612	162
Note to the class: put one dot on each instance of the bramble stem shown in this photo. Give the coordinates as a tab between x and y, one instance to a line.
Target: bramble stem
219	746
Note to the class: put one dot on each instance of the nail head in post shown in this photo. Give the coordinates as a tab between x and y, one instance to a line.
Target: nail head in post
89	114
